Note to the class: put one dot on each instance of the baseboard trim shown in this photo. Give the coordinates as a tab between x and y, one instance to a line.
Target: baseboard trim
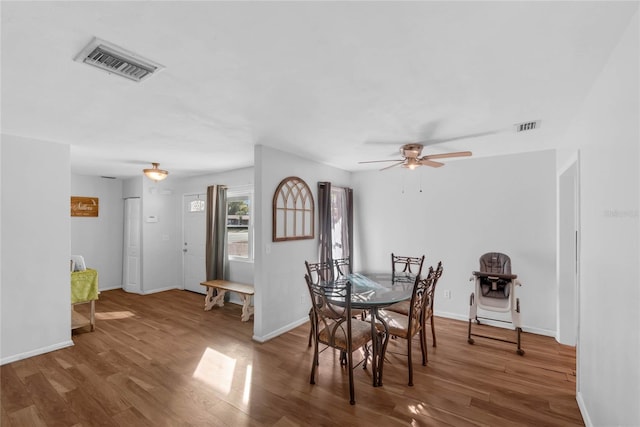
36	352
145	292
447	315
281	331
155	291
465	318
110	288
583	410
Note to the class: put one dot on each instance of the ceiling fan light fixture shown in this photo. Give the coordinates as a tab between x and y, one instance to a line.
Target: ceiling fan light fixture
411	157
155	174
411	163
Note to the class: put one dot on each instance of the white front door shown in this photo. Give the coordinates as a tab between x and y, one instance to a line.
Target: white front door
131	281
194	230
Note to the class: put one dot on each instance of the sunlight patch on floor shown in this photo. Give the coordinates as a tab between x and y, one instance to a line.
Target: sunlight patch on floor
114	315
418	409
247	385
216	370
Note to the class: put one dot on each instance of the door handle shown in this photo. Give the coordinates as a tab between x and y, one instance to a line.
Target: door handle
184	250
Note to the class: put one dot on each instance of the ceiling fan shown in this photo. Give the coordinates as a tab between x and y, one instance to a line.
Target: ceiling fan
411	157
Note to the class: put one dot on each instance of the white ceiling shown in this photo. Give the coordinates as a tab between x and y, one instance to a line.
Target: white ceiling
330	81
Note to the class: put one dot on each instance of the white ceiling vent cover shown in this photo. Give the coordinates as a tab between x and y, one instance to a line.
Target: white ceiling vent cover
116	60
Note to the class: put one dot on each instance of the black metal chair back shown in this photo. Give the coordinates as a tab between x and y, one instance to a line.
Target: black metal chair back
342	267
406	265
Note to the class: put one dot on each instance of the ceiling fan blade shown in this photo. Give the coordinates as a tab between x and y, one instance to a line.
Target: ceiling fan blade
435	141
447	155
427	162
395	164
379	161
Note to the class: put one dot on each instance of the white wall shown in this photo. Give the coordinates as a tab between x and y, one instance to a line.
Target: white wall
35	283
282	299
466	208
606	132
99	239
132	187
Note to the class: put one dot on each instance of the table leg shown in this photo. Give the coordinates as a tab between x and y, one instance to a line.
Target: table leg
376	345
92	316
380	341
384	340
211	300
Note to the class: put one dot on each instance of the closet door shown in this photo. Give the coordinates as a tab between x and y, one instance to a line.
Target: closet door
131	280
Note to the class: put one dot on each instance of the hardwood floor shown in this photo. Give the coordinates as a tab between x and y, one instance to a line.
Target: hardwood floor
160	360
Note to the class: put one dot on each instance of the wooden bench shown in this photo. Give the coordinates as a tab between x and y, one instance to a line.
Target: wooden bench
222	286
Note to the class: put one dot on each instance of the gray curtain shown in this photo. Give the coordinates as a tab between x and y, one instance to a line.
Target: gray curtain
343	201
347	227
324	222
216	249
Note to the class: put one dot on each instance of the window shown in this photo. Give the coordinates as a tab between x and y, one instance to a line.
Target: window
239	225
196	206
339	223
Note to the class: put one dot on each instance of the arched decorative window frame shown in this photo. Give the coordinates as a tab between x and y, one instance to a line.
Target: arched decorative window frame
303	204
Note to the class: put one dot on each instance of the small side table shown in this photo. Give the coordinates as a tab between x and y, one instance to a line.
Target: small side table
84	289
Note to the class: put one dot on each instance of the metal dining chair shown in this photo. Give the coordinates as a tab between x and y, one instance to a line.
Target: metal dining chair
334	327
318	272
404	268
409	325
403	306
342	267
406	265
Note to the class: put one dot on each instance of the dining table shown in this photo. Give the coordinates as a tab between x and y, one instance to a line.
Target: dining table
371	292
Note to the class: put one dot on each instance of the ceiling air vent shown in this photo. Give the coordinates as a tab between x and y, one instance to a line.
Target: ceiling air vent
116	60
521	127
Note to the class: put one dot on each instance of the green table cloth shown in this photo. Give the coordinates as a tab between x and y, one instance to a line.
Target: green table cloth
84	286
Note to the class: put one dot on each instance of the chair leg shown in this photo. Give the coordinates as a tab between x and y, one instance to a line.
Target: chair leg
352	391
469	339
311	332
472	313
314	363
366	356
433	330
409	361
515	317
423	346
520	351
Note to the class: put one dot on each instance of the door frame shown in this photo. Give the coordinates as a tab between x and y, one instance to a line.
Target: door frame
569	264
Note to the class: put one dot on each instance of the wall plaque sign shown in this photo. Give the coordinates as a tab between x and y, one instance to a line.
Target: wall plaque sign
84	206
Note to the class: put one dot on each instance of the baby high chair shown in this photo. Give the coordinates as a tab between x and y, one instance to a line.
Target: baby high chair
495	291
